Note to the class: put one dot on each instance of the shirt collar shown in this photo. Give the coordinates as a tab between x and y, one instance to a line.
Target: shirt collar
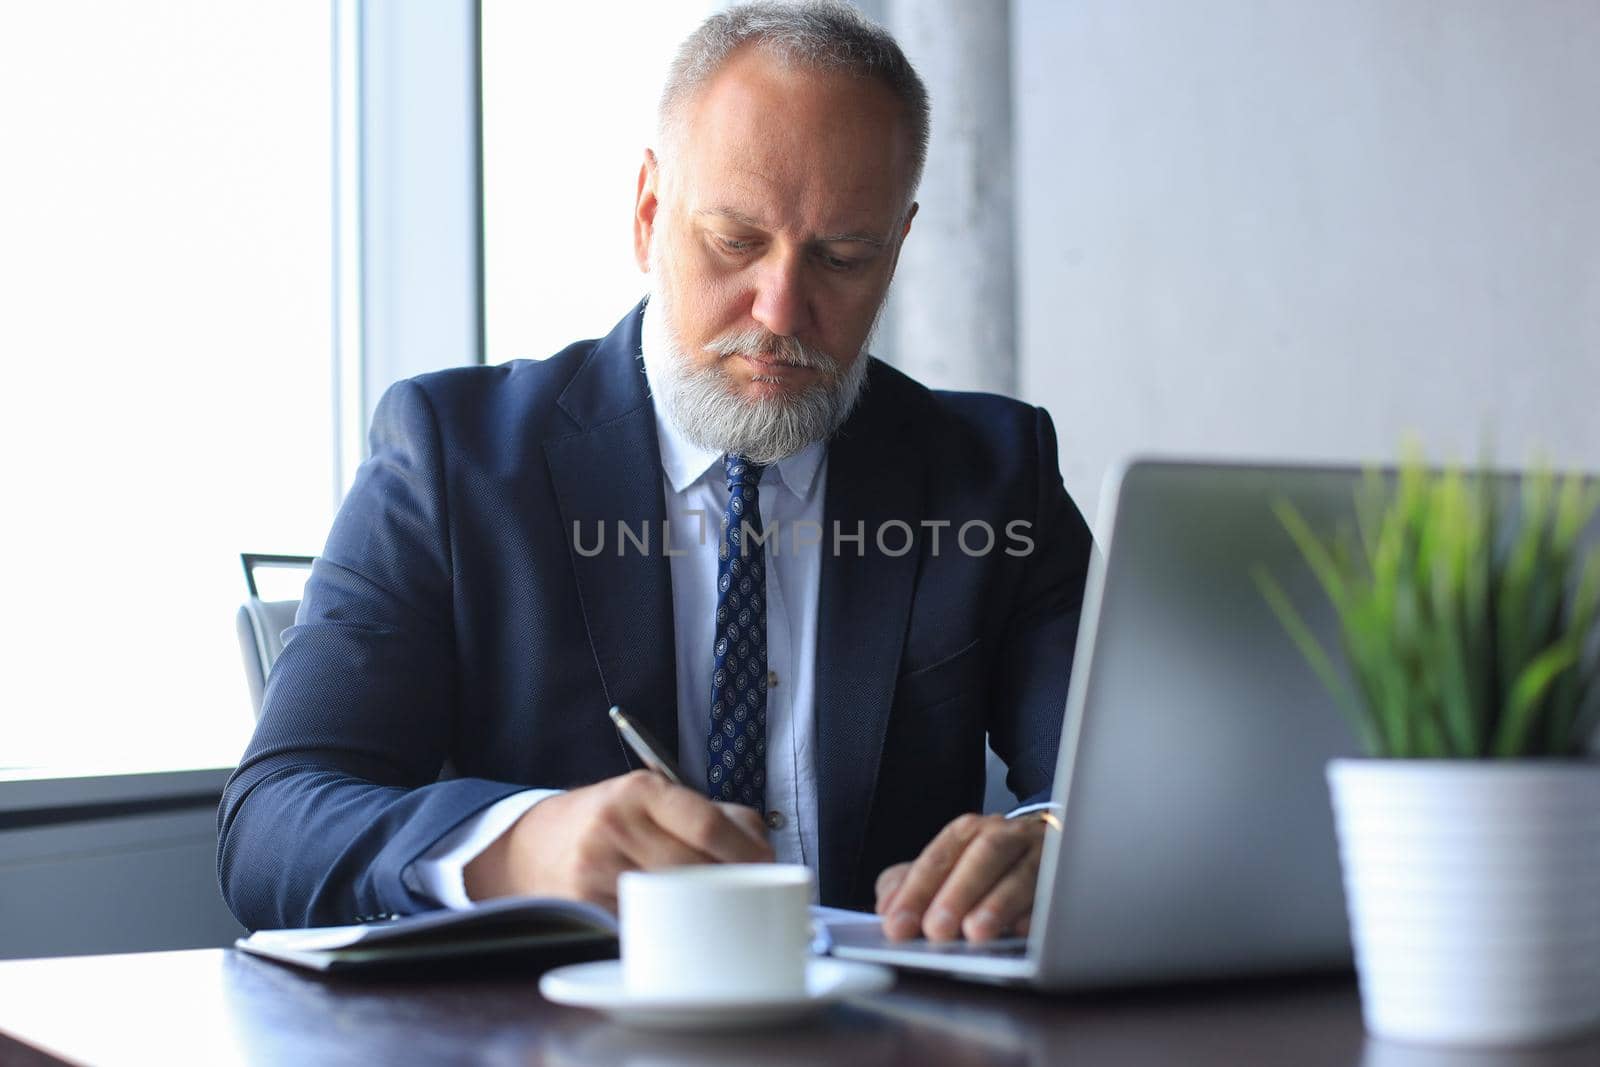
683	461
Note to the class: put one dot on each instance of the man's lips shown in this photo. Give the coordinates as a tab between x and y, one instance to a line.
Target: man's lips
767	365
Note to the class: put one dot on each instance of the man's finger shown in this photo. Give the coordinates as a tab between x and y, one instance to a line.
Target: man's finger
1008	905
697	822
903	914
889	881
745	818
987	859
649	848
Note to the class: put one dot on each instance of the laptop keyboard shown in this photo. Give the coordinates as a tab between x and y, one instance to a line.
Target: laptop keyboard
999	948
870	936
846	933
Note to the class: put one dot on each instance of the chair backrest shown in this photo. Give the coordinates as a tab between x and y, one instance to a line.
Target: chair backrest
260	623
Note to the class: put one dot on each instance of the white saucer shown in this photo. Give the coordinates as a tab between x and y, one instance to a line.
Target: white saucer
599	986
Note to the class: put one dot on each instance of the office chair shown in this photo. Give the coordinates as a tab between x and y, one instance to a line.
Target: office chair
260	623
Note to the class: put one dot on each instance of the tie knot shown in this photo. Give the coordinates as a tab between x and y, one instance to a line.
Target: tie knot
741	471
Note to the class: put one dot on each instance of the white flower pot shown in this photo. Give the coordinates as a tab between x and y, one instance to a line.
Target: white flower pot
1474	896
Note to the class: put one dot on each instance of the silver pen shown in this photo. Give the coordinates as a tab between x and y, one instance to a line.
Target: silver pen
645	747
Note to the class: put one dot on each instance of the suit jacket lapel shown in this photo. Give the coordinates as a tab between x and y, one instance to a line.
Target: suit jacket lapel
609	473
875	476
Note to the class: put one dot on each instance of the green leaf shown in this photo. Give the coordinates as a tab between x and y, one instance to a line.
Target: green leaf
1370	503
1526	693
1575	507
1314	654
1566	726
1315	553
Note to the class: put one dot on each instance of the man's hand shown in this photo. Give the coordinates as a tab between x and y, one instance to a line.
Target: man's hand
976	879
575	844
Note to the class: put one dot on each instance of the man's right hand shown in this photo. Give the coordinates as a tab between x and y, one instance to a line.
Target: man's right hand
575	844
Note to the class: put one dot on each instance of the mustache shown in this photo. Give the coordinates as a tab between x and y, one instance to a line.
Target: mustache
764	344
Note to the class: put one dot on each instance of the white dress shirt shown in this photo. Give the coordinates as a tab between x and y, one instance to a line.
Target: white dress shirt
696	494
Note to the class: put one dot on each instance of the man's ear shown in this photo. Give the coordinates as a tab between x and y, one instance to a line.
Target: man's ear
900	244
645	205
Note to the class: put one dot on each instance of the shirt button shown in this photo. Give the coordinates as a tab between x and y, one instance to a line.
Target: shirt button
772	679
774	820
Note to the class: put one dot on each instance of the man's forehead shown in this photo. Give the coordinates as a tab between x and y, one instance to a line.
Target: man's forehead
766	138
828	234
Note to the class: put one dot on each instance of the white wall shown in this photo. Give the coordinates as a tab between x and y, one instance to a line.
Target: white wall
1302	229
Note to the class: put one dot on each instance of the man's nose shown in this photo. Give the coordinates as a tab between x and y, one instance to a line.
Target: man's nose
781	303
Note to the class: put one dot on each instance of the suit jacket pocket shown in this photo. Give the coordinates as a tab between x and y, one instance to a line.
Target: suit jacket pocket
957	674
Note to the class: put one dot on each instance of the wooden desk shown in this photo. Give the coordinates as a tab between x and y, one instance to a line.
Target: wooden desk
219	1007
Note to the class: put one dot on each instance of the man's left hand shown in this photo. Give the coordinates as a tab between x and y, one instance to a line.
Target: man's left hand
975	879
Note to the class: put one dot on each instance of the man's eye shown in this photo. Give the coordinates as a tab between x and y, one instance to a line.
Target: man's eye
734	244
840	263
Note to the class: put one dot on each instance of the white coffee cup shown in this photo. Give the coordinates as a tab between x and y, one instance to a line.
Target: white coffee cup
730	931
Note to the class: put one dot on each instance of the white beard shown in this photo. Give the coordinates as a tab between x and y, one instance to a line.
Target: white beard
702	402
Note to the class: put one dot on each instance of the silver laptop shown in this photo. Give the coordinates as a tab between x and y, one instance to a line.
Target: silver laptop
1198	838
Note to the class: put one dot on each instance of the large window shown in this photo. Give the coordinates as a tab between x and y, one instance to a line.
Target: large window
569	97
165	271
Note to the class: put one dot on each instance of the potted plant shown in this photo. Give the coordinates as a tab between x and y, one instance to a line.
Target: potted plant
1470	840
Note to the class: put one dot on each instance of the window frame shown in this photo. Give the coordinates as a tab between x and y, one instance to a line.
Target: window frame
407	189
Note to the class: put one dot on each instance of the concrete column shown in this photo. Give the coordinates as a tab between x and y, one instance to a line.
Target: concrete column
952	320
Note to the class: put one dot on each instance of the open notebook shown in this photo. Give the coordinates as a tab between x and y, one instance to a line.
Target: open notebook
494	927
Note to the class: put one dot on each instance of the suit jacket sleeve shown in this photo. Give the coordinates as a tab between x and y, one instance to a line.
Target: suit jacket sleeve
1035	658
337	791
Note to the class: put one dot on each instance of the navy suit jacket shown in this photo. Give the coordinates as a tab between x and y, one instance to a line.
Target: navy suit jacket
450	624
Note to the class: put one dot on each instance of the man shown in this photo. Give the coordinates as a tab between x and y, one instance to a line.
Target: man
525	549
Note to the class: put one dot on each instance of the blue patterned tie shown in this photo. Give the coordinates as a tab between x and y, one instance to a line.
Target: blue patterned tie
736	768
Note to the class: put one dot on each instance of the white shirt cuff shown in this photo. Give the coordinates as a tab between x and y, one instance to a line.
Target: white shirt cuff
1016	813
440	872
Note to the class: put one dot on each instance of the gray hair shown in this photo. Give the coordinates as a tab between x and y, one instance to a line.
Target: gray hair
821	34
